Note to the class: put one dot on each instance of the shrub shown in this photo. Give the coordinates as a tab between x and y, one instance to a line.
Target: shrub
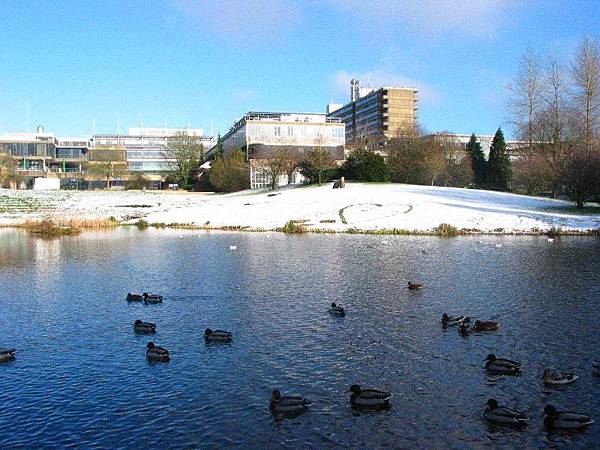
446	230
292	227
230	173
141	224
366	165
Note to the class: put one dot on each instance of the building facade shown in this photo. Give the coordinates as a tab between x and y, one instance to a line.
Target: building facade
485	140
87	162
379	114
261	133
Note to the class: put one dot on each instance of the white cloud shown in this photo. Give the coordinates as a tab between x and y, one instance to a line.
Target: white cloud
378	78
429	17
249	22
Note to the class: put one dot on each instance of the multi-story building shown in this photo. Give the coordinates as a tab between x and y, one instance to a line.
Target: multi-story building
378	114
143	150
261	133
83	162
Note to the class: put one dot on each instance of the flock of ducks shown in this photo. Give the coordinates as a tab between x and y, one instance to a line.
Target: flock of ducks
553	419
373	399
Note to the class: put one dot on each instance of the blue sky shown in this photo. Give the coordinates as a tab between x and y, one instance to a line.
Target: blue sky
180	62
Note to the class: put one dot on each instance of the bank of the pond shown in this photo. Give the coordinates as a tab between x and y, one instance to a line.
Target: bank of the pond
359	208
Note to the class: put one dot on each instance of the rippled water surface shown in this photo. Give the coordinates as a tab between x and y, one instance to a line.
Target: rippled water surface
81	377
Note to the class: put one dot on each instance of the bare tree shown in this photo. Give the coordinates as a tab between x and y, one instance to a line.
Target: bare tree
585	69
184	153
276	162
106	163
8	168
527	96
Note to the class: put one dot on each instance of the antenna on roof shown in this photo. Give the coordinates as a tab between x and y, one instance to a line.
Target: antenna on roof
27	115
212	129
118	127
94	125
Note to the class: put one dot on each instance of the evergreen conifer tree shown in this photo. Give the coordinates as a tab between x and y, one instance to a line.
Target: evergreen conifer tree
499	169
219	148
478	162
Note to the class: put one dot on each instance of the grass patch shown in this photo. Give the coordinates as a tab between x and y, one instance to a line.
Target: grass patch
446	230
291	227
50	228
141	224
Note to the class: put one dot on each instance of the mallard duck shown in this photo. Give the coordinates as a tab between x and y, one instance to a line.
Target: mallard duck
485	325
464	329
134	297
337	310
414	286
7	354
368	398
503	414
144	327
152	298
449	321
155	353
287	403
217	336
501	365
550	377
565	420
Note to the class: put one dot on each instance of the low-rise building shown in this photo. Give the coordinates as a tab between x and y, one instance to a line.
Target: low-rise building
485	140
262	133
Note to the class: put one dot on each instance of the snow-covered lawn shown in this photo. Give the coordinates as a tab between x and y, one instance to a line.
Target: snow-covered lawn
362	206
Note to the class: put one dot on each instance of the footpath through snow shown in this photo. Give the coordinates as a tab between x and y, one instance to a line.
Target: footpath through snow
358	206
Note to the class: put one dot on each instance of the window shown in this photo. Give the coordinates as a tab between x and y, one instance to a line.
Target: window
290	131
277	131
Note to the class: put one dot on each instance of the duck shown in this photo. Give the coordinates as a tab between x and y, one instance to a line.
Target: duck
155	353
414	286
449	321
337	310
501	365
287	403
368	398
7	354
152	298
464	329
144	327
485	325
503	414
550	377
217	336
565	420
134	297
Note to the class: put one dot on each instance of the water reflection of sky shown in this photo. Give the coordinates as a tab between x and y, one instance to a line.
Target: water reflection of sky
81	377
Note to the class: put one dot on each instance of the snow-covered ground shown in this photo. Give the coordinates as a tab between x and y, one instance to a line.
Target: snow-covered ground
362	206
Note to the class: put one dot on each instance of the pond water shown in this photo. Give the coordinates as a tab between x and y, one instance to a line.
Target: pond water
81	377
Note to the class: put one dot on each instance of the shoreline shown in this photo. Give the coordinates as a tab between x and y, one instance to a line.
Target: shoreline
360	208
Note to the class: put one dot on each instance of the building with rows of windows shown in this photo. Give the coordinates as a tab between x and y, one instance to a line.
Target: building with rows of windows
71	161
259	134
379	114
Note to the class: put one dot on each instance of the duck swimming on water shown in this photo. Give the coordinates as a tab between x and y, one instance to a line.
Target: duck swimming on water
152	298
502	366
368	398
550	377
144	327
503	414
485	325
287	403
134	297
565	420
217	336
155	353
337	310
414	286
7	354
449	321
